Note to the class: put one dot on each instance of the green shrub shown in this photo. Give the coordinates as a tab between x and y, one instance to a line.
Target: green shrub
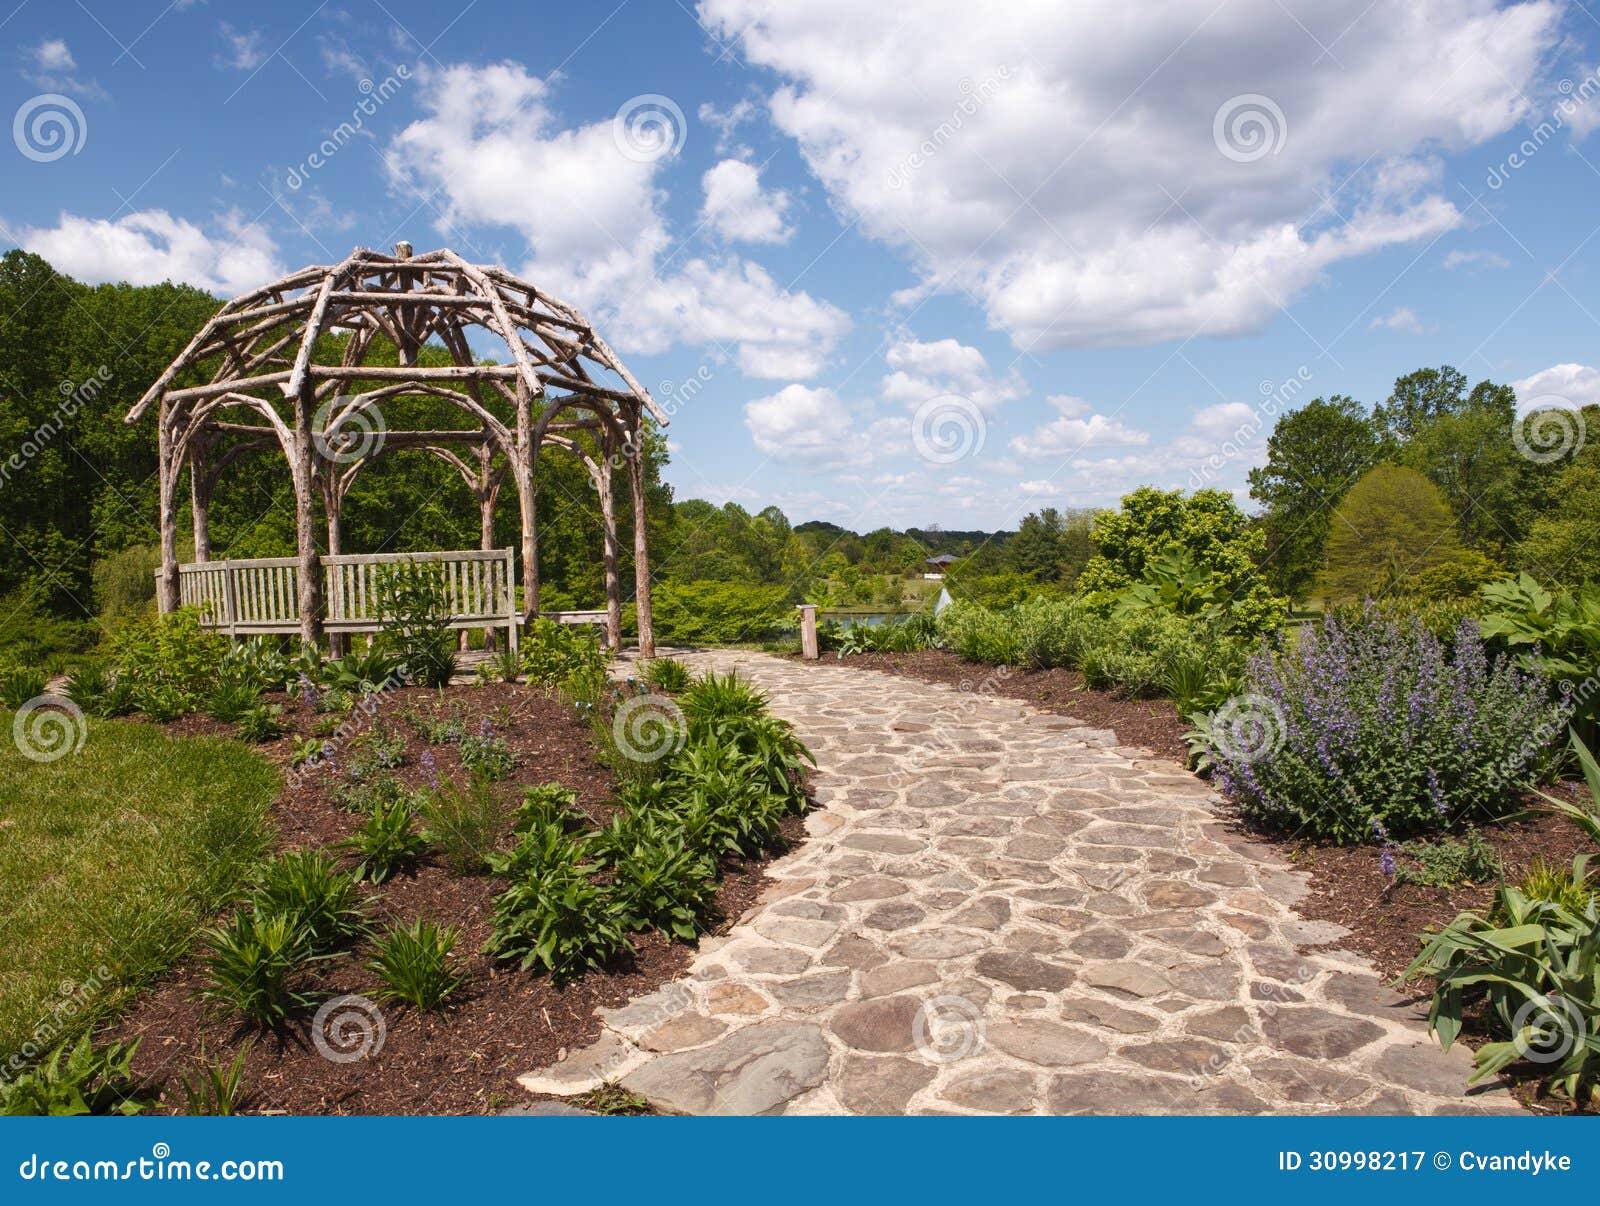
369	794
714	698
549	804
18	685
719	613
552	914
170	658
257	965
659	881
414	616
1370	729
553	652
386	843
413	961
125	582
264	722
1538	974
230	700
1447	862
445	728
307	887
1569	888
1557	634
89	686
486	755
665	674
79	1079
163	702
257	662
374	752
463	824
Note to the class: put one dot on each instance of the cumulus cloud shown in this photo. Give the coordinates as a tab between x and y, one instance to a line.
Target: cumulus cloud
152	246
50	65
1560	385
1001	151
1076	427
53	54
798	423
490	152
739	209
922	370
242	49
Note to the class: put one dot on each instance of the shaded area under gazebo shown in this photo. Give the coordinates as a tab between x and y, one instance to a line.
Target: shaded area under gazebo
278	382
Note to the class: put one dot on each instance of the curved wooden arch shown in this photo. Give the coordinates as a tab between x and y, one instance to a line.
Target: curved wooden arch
264	352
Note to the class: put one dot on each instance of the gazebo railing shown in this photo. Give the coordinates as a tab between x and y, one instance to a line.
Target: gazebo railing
262	594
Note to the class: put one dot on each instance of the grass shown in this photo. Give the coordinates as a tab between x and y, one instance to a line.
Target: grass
111	859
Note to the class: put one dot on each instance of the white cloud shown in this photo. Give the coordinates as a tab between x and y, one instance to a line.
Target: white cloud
1001	151
1075	428
739	209
799	423
52	54
920	371
152	246
1462	259
727	121
242	49
489	151
1401	318
1559	385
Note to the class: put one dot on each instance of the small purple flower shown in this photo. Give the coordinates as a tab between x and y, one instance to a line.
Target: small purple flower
430	768
1386	862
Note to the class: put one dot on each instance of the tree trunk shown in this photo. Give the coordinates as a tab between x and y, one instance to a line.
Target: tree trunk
167	580
528	457
310	564
608	516
200	505
641	550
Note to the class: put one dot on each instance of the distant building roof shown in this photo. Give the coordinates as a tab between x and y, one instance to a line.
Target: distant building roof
943	559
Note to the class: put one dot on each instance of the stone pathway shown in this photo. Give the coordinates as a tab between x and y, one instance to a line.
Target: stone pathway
1001	911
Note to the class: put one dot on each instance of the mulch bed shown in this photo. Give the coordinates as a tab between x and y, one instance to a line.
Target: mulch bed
1151	723
1348	887
465	1059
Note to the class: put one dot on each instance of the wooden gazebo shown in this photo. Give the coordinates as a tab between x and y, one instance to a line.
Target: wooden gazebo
274	381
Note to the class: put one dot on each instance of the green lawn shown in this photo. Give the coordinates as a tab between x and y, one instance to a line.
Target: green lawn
109	859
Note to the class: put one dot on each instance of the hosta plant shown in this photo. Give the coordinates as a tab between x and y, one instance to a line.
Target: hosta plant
558	919
79	1079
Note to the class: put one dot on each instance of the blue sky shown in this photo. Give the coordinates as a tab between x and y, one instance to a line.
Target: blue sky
899	264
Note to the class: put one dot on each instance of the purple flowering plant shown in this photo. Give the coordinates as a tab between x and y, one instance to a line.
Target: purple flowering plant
1371	728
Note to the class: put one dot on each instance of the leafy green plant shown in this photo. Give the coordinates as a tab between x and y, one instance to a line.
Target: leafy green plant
1538	974
714	698
307	749
375	751
360	673
719	613
1586	816
558	919
549	804
370	794
500	666
163	702
231	699
463	823
413	961
443	728
256	965
658	880
552	652
1447	862
213	1088
79	1079
612	1100
1558	634
20	684
88	686
169	657
665	674
414	610
264	722
307	887
386	843
1570	888
485	755
256	662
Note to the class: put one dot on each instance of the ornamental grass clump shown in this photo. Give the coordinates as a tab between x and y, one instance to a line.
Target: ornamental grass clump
1369	728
